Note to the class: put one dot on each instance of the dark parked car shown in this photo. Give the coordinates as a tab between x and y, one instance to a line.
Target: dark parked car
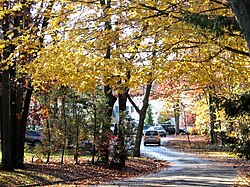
34	138
170	129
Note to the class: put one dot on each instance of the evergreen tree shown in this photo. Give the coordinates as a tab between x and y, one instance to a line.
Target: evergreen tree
149	116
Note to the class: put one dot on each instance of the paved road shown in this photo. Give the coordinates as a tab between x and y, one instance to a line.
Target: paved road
186	170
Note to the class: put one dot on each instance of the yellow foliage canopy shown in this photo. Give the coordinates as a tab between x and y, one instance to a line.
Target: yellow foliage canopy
147	40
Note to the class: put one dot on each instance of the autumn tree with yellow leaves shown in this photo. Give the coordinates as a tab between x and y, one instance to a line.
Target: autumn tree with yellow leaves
23	25
120	45
15	18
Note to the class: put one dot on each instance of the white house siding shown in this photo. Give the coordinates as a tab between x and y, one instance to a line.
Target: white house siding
157	106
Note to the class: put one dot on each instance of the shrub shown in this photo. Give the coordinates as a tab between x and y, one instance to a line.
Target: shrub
241	148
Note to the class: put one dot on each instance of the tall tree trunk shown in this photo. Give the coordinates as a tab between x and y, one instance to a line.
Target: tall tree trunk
48	128
25	114
111	99
18	127
94	134
185	123
49	140
177	118
18	115
6	138
7	162
142	116
64	128
107	89
14	119
122	98
75	115
241	9
138	138
212	120
16	94
1	111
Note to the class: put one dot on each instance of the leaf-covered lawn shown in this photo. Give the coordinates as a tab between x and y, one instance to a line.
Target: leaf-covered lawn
200	145
83	173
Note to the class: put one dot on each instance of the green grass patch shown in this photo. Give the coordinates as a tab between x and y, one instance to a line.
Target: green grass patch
38	172
15	178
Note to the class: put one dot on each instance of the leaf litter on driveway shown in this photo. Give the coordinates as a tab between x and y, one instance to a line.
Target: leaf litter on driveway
187	170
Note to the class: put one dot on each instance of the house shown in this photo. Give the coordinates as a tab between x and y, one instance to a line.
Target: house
156	105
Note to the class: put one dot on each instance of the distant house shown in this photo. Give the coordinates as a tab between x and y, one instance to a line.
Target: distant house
129	109
156	108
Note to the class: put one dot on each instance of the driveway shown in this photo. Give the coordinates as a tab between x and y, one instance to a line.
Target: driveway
186	170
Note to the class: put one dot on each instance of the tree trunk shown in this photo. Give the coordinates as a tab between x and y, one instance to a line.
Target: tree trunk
94	135
7	162
16	99
1	111
6	138
142	116
18	127
64	127
49	140
185	123
14	119
139	132
111	99
212	120
241	9
25	114
177	118
122	115
18	115
75	115
107	89
48	128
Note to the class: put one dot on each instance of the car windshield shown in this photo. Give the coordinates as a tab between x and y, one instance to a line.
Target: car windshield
159	128
151	133
170	126
33	133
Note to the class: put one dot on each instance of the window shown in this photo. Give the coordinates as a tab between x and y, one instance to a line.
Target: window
151	133
132	109
116	109
127	109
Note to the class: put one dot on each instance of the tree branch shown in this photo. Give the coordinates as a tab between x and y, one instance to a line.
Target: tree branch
237	51
133	104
